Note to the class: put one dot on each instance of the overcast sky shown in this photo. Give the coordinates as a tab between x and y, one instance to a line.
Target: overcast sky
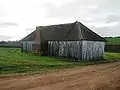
20	17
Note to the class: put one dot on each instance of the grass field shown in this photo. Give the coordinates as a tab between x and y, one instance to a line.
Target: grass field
113	41
12	61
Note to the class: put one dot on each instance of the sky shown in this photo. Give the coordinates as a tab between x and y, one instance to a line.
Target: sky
18	18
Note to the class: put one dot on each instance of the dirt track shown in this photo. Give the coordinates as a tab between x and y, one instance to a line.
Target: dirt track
97	77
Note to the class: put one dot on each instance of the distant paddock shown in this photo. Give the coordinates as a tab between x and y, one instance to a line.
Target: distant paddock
11	46
112	48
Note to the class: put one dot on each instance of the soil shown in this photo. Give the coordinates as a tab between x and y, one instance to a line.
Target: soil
93	77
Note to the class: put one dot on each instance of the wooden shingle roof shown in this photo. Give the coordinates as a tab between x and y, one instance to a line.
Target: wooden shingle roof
30	37
62	32
88	34
69	31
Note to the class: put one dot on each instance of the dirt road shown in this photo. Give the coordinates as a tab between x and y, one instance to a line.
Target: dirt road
96	77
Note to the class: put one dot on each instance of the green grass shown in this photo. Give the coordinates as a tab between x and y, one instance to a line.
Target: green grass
12	61
113	41
112	56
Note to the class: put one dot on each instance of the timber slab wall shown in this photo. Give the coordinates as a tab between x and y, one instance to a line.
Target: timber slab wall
80	50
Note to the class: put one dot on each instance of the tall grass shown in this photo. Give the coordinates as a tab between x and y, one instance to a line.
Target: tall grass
12	61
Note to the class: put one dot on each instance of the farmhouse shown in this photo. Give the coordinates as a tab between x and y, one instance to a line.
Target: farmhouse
71	40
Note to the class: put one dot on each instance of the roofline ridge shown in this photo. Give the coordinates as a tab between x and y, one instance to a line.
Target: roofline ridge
92	32
80	31
58	24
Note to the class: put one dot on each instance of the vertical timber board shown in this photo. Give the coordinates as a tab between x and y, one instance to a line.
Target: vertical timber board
49	49
72	49
30	46
60	49
79	49
53	48
69	49
92	50
30	43
24	46
57	48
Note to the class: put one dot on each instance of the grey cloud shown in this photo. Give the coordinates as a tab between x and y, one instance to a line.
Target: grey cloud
68	10
105	12
111	5
30	29
7	24
109	20
81	7
110	30
107	31
113	18
2	10
2	37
